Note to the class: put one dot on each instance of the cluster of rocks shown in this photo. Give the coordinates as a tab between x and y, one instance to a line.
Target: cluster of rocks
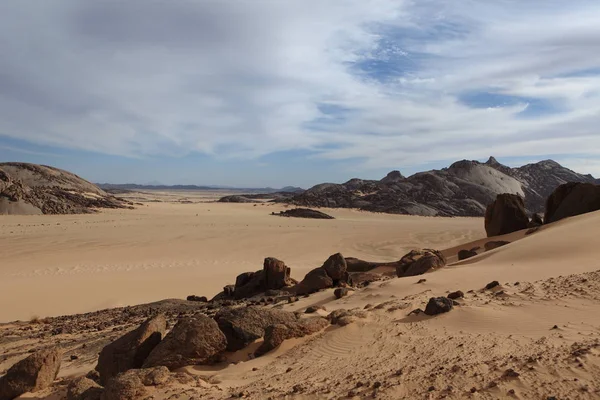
507	213
36	189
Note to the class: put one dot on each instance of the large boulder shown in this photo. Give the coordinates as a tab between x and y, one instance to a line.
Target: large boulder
84	389
192	341
32	374
275	275
315	280
418	262
275	335
438	305
131	350
505	215
336	268
572	199
244	325
132	385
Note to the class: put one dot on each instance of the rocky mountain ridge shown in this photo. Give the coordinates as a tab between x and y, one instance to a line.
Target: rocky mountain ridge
39	189
463	189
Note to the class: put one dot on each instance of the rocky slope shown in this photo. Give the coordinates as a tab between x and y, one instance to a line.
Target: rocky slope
463	189
38	189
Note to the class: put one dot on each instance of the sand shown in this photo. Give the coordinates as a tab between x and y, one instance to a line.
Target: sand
66	264
535	336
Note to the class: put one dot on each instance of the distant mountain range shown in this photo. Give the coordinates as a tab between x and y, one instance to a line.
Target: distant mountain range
133	186
463	189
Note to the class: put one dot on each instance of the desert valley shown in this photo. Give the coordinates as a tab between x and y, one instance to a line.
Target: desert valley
158	293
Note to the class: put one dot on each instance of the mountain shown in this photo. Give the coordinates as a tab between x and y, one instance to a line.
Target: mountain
463	189
134	186
39	189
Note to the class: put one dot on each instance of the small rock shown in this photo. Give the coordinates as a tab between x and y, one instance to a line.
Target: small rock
314	309
340	292
456	295
438	305
422	281
492	285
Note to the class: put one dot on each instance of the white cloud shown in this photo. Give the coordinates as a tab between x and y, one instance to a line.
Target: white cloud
245	79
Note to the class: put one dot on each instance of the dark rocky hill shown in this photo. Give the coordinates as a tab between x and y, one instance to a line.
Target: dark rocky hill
463	189
39	189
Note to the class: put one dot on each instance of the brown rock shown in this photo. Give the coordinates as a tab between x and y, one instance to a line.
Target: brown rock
315	280
495	244
342	316
192	341
131	350
277	274
84	389
277	334
131	385
340	292
244	325
464	254
418	262
34	373
572	199
336	268
438	305
456	295
505	215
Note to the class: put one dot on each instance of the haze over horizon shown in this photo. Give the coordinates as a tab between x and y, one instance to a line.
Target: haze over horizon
265	93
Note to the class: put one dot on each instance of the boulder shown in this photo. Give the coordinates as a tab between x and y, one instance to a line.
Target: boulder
277	274
340	292
495	244
418	262
505	215
32	374
315	280
342	316
572	199
244	325
84	389
464	254
200	299
456	295
438	305
131	350
336	268
277	334
192	341
131	385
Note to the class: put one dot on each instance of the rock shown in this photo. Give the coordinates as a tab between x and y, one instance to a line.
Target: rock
536	220
418	262
492	285
201	299
572	199
131	385
341	292
464	254
243	326
456	295
342	316
304	213
277	334
495	244
438	305
34	373
315	280
505	215
131	350
84	389
336	268
192	341
313	309
277	274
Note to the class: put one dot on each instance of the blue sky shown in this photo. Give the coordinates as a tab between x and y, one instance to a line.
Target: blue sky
271	93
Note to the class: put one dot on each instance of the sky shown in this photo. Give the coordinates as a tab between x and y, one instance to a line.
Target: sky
254	93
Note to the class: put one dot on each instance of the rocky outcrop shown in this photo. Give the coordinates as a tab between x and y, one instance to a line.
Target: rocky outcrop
275	335
333	272
275	275
464	254
131	350
304	213
463	189
244	325
505	215
192	341
34	373
134	384
84	389
572	199
418	262
38	189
